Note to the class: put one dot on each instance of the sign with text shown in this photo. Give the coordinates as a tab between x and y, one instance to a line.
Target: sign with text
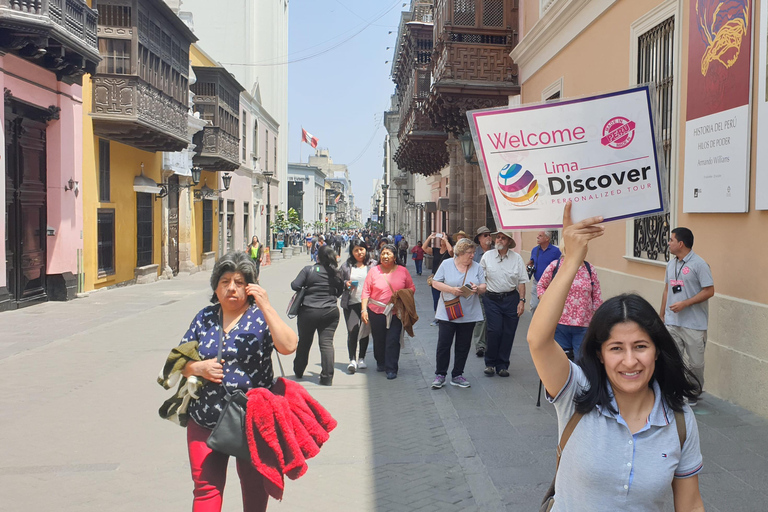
600	153
718	120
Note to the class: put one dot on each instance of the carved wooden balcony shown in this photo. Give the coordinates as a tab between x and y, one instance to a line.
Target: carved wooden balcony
59	35
216	150
130	111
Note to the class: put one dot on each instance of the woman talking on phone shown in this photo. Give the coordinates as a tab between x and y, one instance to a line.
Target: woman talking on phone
462	278
636	441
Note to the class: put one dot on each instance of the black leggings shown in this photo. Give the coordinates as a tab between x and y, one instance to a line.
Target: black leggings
352	318
324	321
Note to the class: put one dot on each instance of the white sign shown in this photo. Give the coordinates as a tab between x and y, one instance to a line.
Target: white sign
761	168
600	153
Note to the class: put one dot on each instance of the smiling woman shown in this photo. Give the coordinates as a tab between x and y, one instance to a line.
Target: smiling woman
627	393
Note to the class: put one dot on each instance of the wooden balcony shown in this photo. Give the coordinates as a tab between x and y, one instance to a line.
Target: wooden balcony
130	111
216	150
59	35
422	147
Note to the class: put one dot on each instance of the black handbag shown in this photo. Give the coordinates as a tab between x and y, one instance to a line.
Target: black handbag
295	303
228	436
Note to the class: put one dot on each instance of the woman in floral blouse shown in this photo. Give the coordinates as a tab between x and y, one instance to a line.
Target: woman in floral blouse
583	300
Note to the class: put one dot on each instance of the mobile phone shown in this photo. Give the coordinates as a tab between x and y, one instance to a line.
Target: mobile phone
468	287
355	283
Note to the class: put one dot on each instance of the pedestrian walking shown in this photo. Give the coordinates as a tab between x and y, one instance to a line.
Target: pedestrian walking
417	253
504	301
541	256
625	395
484	242
583	299
441	251
318	312
353	273
381	284
457	278
256	253
688	286
402	250
245	323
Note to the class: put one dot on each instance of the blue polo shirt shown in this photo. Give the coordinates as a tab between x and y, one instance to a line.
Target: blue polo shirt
542	259
604	467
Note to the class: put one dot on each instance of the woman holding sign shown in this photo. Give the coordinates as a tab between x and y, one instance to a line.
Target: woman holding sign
626	393
457	278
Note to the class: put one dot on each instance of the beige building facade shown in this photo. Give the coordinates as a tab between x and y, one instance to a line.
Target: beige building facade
574	48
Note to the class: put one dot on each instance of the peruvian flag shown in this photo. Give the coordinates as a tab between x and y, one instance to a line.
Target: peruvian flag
308	138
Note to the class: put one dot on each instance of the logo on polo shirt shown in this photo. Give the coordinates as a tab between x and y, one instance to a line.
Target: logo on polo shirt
686	270
663	455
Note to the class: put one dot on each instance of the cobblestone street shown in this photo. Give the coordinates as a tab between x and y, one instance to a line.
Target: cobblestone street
81	430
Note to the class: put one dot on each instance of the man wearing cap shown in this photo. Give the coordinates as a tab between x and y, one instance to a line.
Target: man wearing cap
504	301
541	256
484	242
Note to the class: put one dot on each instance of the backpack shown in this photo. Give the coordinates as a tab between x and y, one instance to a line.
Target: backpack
586	264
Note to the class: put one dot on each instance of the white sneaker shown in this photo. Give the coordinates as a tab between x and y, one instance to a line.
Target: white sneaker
352	367
361	364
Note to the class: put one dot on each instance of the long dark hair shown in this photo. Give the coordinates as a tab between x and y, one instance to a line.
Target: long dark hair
353	244
675	379
326	257
395	252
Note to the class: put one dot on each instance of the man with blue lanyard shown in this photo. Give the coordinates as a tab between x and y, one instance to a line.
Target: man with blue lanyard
541	256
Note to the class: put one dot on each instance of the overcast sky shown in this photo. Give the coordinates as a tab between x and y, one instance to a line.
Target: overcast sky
341	89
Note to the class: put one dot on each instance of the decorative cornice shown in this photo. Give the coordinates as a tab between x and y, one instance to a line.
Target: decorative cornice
561	23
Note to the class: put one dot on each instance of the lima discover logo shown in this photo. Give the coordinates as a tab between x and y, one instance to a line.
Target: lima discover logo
519	188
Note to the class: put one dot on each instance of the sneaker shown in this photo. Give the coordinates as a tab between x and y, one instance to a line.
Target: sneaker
438	382
460	381
433	323
503	372
489	371
480	352
391	375
352	367
361	364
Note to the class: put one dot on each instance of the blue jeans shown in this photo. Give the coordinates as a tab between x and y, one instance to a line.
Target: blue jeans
569	337
418	265
501	324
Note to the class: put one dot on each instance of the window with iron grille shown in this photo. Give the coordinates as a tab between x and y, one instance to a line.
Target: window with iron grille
655	64
244	140
493	13
104	171
105	219
144	238
207	225
266	150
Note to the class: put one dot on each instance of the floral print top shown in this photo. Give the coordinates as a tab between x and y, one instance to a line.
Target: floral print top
583	299
247	354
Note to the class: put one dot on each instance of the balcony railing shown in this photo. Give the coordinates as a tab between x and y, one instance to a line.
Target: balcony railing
476	61
70	24
128	110
216	149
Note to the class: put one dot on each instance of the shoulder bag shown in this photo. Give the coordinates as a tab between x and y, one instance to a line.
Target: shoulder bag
453	307
295	303
228	436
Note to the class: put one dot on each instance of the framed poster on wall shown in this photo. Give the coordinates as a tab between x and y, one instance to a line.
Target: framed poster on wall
718	117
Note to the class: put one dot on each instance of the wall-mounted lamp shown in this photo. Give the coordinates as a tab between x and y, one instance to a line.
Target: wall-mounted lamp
206	192
468	148
72	185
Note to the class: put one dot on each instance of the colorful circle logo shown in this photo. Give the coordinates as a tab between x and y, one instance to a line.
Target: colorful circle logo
519	188
618	133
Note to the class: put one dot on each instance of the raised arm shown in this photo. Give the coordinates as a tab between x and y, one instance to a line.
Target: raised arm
550	360
283	336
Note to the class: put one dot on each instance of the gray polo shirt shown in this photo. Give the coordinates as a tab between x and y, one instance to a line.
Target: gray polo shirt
604	467
450	275
693	274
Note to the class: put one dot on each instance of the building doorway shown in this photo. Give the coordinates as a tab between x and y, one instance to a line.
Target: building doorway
173	223
25	203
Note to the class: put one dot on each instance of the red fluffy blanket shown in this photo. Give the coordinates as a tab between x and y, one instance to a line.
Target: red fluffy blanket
285	427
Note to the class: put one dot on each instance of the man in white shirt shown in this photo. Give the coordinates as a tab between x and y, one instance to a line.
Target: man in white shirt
504	301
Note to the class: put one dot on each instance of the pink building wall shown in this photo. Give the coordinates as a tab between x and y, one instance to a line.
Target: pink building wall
32	84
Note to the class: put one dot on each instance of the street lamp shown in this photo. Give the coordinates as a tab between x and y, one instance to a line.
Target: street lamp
384	187
268	178
468	148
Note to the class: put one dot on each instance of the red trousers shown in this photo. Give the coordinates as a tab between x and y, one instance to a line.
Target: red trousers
209	473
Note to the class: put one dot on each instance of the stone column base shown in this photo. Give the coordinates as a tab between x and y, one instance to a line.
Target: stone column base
146	274
61	287
209	260
6	304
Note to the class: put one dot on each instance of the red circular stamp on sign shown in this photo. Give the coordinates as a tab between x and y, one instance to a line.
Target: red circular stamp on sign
618	132
686	270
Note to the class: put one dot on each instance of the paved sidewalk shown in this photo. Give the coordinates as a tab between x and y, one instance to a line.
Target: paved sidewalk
81	431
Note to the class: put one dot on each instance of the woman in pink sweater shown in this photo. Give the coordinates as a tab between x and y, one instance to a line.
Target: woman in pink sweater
381	283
